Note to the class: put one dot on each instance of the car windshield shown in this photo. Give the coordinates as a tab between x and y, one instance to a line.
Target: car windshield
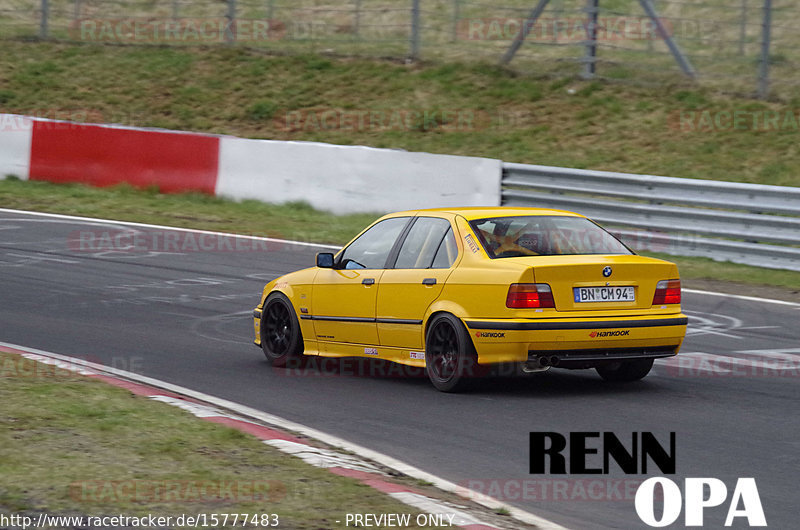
539	235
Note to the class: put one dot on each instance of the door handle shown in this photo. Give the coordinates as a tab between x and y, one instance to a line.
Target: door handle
429	281
368	281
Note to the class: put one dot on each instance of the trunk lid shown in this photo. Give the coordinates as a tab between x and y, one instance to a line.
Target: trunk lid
600	282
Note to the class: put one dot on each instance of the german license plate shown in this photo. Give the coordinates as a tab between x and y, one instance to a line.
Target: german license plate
604	294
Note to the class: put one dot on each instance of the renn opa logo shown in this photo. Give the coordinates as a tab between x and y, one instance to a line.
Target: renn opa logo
546	456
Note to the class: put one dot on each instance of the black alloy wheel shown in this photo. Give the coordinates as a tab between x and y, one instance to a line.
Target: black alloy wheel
281	338
450	359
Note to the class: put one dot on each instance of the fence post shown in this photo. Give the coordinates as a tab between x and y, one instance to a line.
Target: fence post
456	17
271	23
676	52
357	21
523	33
590	57
763	71
414	52
743	27
44	19
230	30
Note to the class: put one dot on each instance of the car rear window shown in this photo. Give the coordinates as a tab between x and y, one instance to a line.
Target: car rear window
539	235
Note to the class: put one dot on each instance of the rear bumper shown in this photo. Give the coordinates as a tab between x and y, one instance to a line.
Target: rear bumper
577	342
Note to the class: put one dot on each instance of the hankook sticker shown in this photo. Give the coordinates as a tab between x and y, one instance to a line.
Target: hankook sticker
618	333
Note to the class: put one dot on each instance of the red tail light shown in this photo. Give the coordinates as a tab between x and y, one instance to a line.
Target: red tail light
667	292
529	295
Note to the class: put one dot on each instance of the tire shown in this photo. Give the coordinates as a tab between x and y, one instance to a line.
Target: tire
450	359
624	372
281	338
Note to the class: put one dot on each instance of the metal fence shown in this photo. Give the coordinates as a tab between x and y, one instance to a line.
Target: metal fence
751	224
744	46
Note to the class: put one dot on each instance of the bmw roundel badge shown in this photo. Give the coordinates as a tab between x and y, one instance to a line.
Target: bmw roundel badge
607	272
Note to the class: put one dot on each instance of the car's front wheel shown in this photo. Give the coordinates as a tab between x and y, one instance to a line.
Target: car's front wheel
450	359
281	338
625	371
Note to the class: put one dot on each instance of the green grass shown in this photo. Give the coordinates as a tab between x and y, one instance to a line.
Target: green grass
72	445
297	221
504	114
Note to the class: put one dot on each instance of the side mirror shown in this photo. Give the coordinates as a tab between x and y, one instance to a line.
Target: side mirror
325	260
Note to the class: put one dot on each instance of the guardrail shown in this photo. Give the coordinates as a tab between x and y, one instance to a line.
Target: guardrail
751	224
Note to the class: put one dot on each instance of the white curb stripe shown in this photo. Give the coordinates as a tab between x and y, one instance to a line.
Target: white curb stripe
201	411
323	457
425	504
64	365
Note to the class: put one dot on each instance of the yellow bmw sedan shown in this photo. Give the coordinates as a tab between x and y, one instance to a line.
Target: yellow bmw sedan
455	290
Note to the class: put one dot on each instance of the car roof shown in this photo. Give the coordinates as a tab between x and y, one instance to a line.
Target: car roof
482	212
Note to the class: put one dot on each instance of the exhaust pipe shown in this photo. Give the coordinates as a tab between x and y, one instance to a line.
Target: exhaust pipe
532	367
544	361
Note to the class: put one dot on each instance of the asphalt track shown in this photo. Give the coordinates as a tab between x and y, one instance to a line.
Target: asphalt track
184	317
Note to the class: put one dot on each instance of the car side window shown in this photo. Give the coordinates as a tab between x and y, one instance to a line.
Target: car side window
372	248
447	253
422	243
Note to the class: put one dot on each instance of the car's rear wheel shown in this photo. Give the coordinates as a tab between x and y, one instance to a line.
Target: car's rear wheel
450	359
281	338
625	371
